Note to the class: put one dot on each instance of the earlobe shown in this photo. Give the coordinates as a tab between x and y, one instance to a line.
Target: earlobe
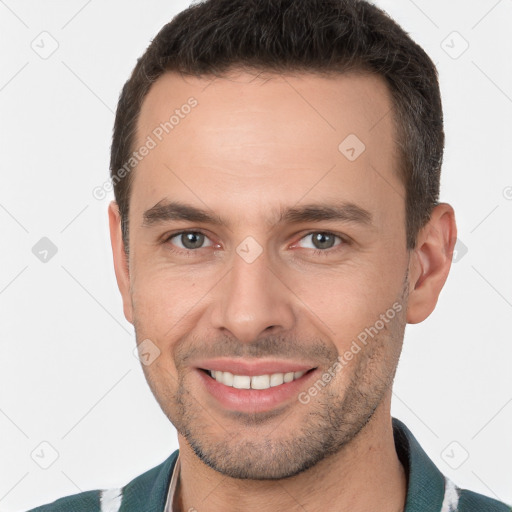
431	262
120	260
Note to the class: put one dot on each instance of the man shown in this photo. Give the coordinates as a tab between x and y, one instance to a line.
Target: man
276	166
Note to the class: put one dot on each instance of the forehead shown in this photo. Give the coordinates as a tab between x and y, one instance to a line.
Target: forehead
247	135
356	101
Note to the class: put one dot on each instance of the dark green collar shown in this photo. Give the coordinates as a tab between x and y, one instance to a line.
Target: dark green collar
425	485
148	492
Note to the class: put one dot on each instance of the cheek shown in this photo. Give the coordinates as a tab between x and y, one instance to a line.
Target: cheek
346	300
164	301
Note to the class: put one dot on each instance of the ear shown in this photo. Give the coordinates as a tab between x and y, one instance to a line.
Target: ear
120	259
431	262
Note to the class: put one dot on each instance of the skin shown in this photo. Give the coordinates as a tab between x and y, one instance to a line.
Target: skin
252	146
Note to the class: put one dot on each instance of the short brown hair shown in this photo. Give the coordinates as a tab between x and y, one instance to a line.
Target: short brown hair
213	37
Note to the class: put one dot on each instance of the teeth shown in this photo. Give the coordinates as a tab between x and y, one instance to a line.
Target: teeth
276	379
227	378
239	381
260	382
255	382
288	377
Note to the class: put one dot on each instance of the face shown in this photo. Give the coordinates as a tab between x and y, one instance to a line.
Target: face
265	239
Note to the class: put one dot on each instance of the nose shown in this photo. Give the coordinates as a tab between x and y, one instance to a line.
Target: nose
252	300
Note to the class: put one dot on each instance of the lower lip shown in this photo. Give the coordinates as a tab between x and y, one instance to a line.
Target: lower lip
254	400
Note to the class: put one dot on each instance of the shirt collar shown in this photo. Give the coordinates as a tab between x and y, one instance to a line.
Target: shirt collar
169	504
425	483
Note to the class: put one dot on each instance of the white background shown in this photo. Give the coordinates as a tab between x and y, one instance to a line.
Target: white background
68	374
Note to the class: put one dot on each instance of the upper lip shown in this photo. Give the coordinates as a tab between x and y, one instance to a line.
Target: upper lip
255	367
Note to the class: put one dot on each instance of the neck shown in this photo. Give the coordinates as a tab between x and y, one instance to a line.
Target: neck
365	475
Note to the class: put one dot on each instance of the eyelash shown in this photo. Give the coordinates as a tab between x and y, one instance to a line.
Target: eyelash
316	252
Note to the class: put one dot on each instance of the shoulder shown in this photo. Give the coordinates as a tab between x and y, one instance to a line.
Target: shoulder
428	488
457	499
145	492
470	501
82	502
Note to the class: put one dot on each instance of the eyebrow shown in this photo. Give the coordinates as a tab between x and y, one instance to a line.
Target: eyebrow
166	211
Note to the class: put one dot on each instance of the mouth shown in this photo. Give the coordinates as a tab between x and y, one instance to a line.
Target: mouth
255	393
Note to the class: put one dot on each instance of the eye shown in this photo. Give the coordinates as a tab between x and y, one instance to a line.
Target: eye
321	241
189	240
